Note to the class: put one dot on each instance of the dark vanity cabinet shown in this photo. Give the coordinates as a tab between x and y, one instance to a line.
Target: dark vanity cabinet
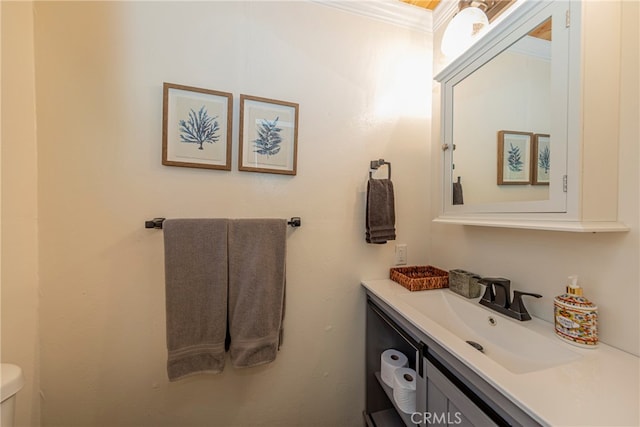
384	333
448	393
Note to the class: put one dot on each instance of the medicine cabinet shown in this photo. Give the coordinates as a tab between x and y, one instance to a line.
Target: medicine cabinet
529	126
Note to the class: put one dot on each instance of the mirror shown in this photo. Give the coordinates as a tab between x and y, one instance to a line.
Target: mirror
504	117
499	112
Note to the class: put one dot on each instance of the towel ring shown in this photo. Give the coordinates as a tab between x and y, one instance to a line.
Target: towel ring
375	164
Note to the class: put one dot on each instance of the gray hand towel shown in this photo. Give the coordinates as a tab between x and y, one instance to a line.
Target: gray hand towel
457	198
257	252
196	295
380	211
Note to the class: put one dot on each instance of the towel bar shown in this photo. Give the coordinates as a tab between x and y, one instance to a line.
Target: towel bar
375	164
156	223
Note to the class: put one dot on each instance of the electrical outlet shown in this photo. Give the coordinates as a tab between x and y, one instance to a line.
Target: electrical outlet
401	254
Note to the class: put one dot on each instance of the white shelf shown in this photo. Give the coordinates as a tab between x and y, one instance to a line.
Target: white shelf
570	226
386	418
406	418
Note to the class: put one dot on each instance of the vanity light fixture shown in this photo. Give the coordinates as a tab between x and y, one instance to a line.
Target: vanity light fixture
465	27
469	24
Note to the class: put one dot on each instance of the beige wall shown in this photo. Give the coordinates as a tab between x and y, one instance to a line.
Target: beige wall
540	261
100	67
99	74
19	205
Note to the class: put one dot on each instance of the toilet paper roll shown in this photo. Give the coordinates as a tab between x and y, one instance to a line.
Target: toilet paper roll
390	360
404	389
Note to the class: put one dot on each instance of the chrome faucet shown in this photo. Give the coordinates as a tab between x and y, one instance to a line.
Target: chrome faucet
497	296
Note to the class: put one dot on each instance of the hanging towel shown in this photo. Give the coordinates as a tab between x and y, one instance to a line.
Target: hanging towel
457	198
256	289
380	211
195	256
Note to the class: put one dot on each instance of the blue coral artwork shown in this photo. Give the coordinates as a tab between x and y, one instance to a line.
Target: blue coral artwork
514	151
197	130
542	152
514	160
268	135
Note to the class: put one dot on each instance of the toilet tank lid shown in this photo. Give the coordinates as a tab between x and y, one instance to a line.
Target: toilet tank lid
11	379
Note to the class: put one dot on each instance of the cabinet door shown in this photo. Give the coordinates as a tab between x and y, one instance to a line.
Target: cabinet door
447	405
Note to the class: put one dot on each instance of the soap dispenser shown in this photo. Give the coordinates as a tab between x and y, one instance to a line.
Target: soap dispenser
576	318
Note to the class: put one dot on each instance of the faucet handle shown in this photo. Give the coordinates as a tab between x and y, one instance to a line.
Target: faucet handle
497	290
488	295
517	306
502	288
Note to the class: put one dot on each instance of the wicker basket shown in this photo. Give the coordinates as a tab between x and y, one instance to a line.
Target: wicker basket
420	278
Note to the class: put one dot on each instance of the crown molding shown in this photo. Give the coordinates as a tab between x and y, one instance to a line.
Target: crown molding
443	13
390	11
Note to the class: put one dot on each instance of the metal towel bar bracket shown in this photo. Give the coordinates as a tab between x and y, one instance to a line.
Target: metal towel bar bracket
156	223
375	164
295	221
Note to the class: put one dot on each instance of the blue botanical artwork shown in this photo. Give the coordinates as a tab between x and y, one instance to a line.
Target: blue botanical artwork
514	160
269	138
199	128
544	159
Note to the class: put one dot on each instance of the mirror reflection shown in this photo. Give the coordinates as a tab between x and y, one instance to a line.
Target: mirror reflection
502	125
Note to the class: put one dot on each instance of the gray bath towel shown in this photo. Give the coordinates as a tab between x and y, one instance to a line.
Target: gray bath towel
195	255
256	289
380	211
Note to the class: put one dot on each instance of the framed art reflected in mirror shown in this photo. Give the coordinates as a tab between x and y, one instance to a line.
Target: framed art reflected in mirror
540	159
514	157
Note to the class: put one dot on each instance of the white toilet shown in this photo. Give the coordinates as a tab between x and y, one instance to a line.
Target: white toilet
12	381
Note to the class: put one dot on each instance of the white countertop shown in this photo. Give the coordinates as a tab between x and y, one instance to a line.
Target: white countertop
602	388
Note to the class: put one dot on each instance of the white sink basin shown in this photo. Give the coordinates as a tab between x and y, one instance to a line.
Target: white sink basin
11	380
508	342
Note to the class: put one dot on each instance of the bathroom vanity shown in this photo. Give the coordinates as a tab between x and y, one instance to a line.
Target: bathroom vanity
526	376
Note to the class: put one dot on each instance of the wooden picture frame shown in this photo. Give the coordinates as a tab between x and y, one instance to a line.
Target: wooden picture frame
540	159
196	127
514	152
268	136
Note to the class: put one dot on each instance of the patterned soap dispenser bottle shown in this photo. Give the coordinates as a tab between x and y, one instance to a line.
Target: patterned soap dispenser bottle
576	318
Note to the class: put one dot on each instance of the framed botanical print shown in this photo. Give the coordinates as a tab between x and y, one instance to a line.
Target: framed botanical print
196	127
514	151
540	159
268	135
